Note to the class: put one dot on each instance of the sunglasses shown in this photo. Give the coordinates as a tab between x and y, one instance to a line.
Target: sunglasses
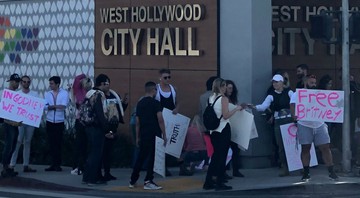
167	77
25	81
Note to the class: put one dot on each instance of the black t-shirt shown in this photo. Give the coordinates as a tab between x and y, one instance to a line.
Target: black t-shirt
147	109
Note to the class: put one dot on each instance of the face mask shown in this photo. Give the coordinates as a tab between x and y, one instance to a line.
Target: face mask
312	87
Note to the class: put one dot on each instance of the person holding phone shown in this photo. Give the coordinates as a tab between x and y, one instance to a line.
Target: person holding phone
116	107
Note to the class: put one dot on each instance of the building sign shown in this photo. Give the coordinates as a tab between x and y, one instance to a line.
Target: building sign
136	38
158	40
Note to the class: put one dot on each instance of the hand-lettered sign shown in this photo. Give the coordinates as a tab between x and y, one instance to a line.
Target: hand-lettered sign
320	105
20	107
293	150
176	128
159	161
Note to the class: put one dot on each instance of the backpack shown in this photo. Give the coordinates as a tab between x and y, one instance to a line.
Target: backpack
86	110
210	119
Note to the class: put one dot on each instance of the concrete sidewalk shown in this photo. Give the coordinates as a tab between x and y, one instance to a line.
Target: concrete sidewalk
255	179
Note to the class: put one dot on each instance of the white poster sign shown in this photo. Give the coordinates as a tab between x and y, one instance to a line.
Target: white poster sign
320	105
159	162
176	128
242	128
293	150
20	107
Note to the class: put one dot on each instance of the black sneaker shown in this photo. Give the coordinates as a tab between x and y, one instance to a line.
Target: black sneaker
108	177
167	173
208	186
305	177
227	177
237	174
4	174
27	169
222	187
12	172
51	168
333	176
185	172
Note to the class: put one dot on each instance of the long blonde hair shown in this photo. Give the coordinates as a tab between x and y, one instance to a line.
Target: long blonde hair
217	84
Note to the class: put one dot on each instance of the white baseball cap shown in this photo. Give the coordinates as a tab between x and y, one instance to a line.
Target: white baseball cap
278	78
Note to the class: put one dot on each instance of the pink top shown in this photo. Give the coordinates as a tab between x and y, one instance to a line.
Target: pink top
194	140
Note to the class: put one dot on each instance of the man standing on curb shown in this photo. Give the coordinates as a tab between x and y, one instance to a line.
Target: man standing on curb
149	124
96	131
312	131
168	97
56	101
115	107
10	134
26	132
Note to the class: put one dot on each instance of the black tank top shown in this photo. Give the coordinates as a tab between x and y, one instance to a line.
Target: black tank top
167	102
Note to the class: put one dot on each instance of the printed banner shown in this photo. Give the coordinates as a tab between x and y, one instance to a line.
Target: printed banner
320	105
242	128
159	162
20	107
293	150
176	128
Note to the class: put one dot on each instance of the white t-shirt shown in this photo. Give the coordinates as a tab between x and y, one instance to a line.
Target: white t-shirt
31	93
311	124
218	111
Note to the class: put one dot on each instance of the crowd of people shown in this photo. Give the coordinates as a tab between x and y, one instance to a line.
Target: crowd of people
203	149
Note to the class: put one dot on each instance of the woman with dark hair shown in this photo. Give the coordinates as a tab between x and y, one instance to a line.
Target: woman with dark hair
220	137
325	82
231	93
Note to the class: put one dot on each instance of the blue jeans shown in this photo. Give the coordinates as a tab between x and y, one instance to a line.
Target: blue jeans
10	138
26	133
92	169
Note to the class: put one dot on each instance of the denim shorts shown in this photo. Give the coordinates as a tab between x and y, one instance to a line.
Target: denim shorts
307	135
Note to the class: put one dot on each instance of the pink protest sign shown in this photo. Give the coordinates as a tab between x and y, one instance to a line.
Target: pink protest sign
20	107
293	150
320	105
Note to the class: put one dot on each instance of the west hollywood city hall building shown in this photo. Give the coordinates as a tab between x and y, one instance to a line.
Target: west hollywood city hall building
130	40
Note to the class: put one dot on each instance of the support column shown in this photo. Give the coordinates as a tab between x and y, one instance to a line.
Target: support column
245	58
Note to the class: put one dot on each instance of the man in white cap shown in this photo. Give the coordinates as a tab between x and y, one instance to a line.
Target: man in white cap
279	100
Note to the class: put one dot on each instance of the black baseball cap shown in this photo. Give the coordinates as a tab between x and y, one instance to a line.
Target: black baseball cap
15	77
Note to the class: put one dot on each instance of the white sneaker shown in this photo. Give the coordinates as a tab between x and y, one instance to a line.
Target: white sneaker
131	185
75	171
150	185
